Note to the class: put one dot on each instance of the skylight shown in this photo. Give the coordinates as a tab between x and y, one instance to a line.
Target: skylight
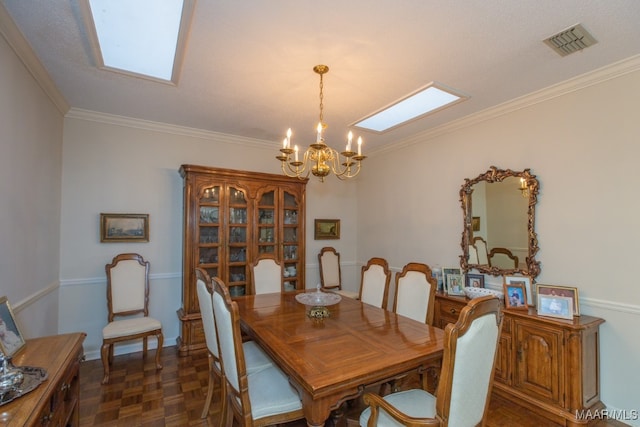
425	101
142	37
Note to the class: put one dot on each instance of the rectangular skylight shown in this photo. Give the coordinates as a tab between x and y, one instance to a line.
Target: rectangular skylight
141	37
427	100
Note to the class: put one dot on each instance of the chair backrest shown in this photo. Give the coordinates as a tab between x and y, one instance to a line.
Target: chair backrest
481	249
374	282
230	344
204	287
470	349
266	275
415	292
127	285
473	255
330	276
503	258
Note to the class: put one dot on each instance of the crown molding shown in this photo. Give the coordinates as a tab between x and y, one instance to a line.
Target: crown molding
609	72
112	119
25	53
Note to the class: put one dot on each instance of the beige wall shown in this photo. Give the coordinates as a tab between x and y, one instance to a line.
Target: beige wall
582	143
30	169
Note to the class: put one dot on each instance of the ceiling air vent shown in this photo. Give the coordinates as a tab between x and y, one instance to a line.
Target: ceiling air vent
571	40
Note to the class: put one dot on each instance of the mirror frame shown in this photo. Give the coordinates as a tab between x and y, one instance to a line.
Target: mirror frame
497	175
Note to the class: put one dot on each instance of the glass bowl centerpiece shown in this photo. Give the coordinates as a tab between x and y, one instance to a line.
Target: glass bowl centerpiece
318	302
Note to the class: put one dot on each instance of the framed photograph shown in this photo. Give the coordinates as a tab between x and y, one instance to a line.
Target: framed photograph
561	291
326	229
456	284
446	271
526	281
474	280
11	340
475	223
124	227
515	296
555	306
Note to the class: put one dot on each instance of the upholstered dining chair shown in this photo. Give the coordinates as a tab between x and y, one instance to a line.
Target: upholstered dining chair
266	275
128	308
258	399
503	258
256	359
415	292
481	250
473	255
466	378
330	273
374	282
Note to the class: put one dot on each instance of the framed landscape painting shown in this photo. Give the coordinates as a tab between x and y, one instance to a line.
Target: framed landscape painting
124	227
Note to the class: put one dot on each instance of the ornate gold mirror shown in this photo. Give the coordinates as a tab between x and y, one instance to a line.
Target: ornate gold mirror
499	237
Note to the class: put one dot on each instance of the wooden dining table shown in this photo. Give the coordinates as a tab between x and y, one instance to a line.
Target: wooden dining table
331	360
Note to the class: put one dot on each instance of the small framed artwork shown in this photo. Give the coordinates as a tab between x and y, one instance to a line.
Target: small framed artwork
124	227
562	291
555	306
326	229
474	280
456	284
446	271
11	340
475	223
526	281
515	296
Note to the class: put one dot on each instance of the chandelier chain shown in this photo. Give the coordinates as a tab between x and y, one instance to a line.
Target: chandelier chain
321	100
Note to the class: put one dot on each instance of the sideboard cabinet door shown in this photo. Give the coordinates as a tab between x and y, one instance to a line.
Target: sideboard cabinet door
539	361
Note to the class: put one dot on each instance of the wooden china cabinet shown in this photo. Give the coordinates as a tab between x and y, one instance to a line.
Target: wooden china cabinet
551	366
230	218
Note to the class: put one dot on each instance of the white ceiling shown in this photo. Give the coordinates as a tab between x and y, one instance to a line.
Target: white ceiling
248	64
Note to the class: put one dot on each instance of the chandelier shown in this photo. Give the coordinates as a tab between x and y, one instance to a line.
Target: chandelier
320	159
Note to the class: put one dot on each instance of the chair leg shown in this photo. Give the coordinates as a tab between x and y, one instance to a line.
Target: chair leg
160	339
105	351
207	402
144	347
226	415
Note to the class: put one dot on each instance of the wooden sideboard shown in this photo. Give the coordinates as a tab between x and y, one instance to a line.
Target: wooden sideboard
548	365
55	402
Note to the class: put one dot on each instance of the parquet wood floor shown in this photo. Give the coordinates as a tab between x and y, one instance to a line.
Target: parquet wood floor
137	395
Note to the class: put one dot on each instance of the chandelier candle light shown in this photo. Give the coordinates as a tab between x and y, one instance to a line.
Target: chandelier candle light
320	159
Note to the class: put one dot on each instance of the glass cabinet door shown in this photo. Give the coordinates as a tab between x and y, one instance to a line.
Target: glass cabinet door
291	243
266	228
209	230
237	242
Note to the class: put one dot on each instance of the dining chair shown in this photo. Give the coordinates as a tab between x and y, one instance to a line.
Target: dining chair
254	399
481	249
128	308
473	255
256	358
266	275
466	378
330	274
415	292
374	282
503	258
